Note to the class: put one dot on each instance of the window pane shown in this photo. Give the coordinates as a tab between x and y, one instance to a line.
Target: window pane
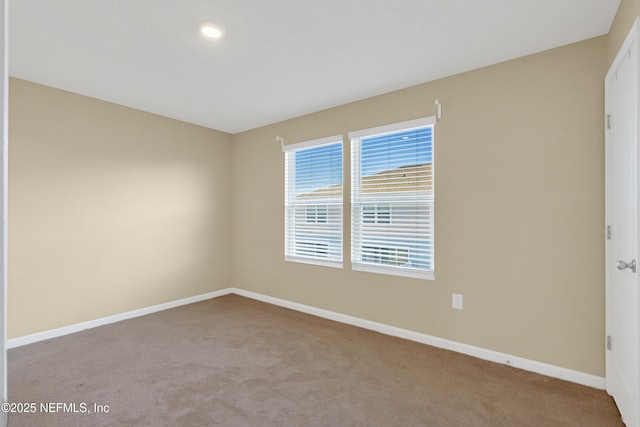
391	152
318	170
392	200
313	204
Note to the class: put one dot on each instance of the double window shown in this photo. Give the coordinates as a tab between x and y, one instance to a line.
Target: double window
391	200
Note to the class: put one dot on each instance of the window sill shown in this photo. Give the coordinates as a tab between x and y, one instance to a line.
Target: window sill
395	271
323	262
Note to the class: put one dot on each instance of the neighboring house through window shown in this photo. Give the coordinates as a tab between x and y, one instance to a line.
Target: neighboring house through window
376	214
317	214
313	201
385	255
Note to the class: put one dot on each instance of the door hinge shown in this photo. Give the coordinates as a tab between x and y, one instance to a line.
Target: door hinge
608	342
608	121
608	232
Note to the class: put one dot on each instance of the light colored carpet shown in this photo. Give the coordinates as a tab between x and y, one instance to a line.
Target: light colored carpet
232	361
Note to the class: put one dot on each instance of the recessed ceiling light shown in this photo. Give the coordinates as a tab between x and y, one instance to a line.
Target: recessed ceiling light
211	30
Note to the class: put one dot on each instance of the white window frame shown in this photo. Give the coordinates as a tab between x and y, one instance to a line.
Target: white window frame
357	199
325	211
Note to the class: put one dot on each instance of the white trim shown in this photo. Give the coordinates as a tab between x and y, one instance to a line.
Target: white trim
394	271
314	261
394	127
66	330
481	353
313	143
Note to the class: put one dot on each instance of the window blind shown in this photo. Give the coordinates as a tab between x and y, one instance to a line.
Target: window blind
313	201
392	199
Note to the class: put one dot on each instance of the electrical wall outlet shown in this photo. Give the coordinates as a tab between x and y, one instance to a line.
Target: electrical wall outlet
457	301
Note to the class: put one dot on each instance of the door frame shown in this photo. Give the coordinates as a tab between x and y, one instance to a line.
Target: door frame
633	36
4	161
4	143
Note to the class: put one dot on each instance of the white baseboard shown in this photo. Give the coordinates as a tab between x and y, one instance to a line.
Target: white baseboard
54	333
481	353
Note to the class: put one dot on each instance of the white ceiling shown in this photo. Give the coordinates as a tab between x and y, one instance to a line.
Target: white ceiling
280	58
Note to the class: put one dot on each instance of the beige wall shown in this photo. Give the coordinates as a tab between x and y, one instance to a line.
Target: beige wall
519	210
111	209
627	13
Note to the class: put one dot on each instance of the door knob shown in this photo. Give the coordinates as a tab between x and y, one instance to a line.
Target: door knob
621	265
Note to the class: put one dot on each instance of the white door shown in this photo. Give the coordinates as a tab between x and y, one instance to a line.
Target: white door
4	76
622	231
